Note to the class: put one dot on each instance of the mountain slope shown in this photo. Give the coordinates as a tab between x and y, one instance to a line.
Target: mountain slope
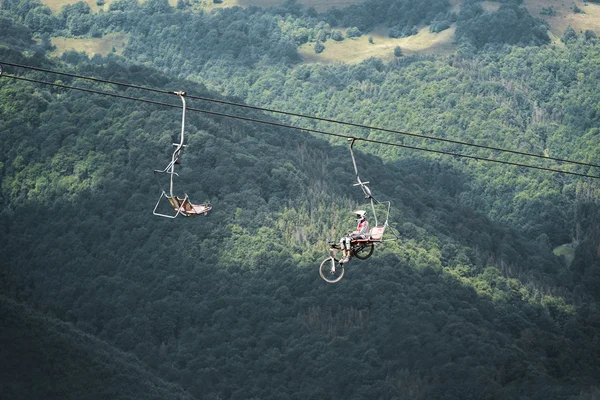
231	305
45	358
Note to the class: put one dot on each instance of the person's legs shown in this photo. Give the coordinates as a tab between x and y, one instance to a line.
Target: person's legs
345	245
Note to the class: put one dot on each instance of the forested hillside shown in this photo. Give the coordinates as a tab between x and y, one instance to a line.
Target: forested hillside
45	358
101	299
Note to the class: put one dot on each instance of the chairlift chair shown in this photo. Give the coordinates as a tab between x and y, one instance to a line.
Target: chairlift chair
181	205
375	233
331	269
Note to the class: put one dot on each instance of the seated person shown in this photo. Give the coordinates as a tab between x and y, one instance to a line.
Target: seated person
361	232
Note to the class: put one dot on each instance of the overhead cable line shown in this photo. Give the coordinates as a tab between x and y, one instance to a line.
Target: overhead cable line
280	125
291	114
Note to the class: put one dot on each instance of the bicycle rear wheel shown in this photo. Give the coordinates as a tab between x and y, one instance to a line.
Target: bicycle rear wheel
363	251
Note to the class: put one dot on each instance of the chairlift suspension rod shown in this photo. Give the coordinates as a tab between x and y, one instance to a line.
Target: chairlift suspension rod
178	147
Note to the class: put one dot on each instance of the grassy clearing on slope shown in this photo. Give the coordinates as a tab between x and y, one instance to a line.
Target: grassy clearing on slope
356	50
319	5
489	6
91	46
565	15
56	5
567	251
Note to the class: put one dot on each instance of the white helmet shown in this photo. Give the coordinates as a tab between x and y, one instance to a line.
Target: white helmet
360	214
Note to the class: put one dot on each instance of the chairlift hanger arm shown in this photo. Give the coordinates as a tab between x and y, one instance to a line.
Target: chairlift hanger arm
352	140
171	167
178	204
181	95
367	191
363	185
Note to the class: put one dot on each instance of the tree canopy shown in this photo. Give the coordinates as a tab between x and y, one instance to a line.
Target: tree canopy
472	302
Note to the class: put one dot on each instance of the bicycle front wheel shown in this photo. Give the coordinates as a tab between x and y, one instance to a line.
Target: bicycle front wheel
331	270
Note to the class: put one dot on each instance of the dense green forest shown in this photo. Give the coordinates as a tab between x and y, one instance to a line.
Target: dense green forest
61	362
101	299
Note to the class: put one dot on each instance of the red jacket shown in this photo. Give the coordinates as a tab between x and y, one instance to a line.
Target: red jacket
362	228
